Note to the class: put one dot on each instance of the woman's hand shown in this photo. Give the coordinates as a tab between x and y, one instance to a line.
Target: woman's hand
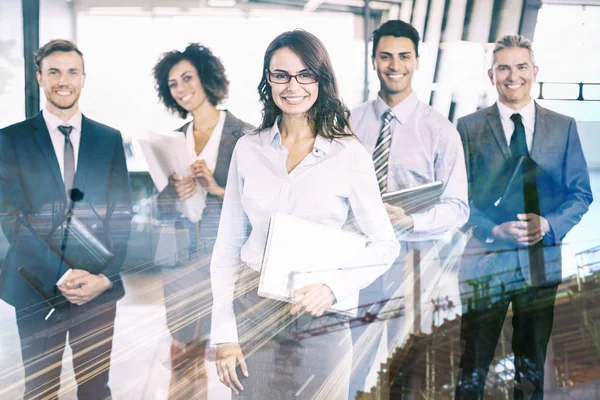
316	299
228	354
206	178
184	187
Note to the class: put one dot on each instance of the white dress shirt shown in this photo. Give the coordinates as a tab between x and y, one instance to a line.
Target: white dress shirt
425	148
58	139
527	116
58	142
336	178
210	152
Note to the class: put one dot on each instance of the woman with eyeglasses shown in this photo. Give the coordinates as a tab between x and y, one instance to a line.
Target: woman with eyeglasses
193	83
302	161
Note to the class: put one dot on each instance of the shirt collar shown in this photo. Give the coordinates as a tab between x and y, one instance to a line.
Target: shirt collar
322	145
402	111
527	113
53	122
274	135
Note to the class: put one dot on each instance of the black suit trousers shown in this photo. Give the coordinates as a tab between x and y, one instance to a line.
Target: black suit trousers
90	329
533	314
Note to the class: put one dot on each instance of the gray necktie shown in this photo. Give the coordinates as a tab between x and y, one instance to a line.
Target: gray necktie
69	161
381	154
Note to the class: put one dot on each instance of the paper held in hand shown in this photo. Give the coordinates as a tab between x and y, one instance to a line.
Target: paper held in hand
416	198
300	252
165	154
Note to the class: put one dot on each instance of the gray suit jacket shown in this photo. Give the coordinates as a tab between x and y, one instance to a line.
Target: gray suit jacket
564	191
233	129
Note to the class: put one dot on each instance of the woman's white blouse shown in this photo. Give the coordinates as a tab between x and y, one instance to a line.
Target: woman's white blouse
336	180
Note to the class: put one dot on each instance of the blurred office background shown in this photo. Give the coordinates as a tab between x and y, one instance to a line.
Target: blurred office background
122	39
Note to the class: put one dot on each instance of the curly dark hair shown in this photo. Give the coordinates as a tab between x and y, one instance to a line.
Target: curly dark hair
328	117
210	71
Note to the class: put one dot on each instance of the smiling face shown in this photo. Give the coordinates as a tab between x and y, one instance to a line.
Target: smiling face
292	98
185	86
395	62
61	77
513	73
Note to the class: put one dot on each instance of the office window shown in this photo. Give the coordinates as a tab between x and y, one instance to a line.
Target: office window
12	77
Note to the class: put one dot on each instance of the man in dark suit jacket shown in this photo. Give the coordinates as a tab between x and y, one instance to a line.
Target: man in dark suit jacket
42	160
515	254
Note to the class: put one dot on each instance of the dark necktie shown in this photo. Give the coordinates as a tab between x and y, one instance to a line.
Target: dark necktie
518	147
381	154
69	158
518	143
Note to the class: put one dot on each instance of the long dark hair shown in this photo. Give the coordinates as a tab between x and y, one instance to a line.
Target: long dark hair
328	117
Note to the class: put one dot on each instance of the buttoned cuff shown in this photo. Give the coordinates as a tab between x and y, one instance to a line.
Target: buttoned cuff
224	326
339	291
418	224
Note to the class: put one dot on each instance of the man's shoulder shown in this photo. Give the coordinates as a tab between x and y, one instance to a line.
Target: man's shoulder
99	126
18	127
360	110
476	117
433	117
553	115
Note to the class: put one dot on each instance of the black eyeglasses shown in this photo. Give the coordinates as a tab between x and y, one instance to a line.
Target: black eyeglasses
303	78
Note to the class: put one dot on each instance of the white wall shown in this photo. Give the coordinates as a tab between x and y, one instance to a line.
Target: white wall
589	132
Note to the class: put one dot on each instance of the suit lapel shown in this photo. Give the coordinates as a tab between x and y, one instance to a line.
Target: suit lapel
86	148
539	130
229	137
184	128
493	119
42	138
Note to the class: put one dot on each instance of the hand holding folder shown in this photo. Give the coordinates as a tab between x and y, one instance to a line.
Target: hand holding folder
165	154
416	198
300	253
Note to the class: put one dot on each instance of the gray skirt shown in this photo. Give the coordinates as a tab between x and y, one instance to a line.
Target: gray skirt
289	357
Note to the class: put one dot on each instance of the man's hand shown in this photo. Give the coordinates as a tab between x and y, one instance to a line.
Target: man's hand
228	354
184	187
81	286
316	299
527	231
399	219
206	178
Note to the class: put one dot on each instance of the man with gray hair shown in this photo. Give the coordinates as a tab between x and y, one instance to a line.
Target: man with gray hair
528	186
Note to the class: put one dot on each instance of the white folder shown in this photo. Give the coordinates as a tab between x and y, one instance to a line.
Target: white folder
165	154
301	252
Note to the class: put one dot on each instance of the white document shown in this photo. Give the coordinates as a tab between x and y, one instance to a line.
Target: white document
165	154
300	252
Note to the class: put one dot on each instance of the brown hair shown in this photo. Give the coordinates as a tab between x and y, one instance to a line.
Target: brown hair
328	117
52	47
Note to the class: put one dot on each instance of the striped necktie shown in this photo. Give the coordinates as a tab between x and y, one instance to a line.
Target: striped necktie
381	155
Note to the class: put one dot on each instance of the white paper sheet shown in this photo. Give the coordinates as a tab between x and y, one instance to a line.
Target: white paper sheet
165	154
301	252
